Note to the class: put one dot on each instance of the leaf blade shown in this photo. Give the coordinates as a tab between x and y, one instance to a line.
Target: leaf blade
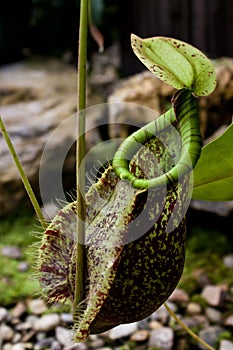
213	174
177	63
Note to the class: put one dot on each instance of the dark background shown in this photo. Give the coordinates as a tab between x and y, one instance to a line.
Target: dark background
50	27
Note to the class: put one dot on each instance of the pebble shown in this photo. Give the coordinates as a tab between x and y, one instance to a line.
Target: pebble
56	345
225	345
124	330
18	346
214	295
37	306
64	335
228	261
179	296
229	321
18	310
47	322
193	308
31	319
23	266
210	335
6	332
162	338
213	315
162	314
76	346
43	343
11	252
97	343
66	318
140	336
27	328
7	346
3	314
155	325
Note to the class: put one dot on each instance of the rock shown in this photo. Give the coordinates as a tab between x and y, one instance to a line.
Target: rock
162	314
11	252
64	335
7	346
140	335
155	325
23	326
23	266
179	296
18	310
44	344
193	308
213	315
56	345
210	335
97	343
66	318
229	321
6	332
31	319
162	338
225	345
37	306
201	320
76	346
214	295
46	323
35	98
17	338
3	314
18	346
123	330
228	261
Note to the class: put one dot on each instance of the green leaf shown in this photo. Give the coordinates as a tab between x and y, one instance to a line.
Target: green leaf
176	63
213	174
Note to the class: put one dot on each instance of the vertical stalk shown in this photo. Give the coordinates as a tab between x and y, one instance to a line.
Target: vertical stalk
80	153
23	175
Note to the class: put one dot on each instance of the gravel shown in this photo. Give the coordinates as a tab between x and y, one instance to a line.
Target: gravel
30	325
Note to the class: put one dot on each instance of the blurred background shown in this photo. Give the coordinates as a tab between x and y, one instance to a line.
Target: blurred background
38	59
50	27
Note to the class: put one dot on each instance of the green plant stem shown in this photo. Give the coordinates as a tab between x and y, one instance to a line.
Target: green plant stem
80	154
22	174
187	329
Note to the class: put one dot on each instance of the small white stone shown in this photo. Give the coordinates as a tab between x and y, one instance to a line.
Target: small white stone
47	322
6	332
213	314
229	321
162	338
64	335
123	330
226	345
3	314
18	346
179	296
213	295
228	261
155	325
7	346
37	306
193	308
140	335
11	252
